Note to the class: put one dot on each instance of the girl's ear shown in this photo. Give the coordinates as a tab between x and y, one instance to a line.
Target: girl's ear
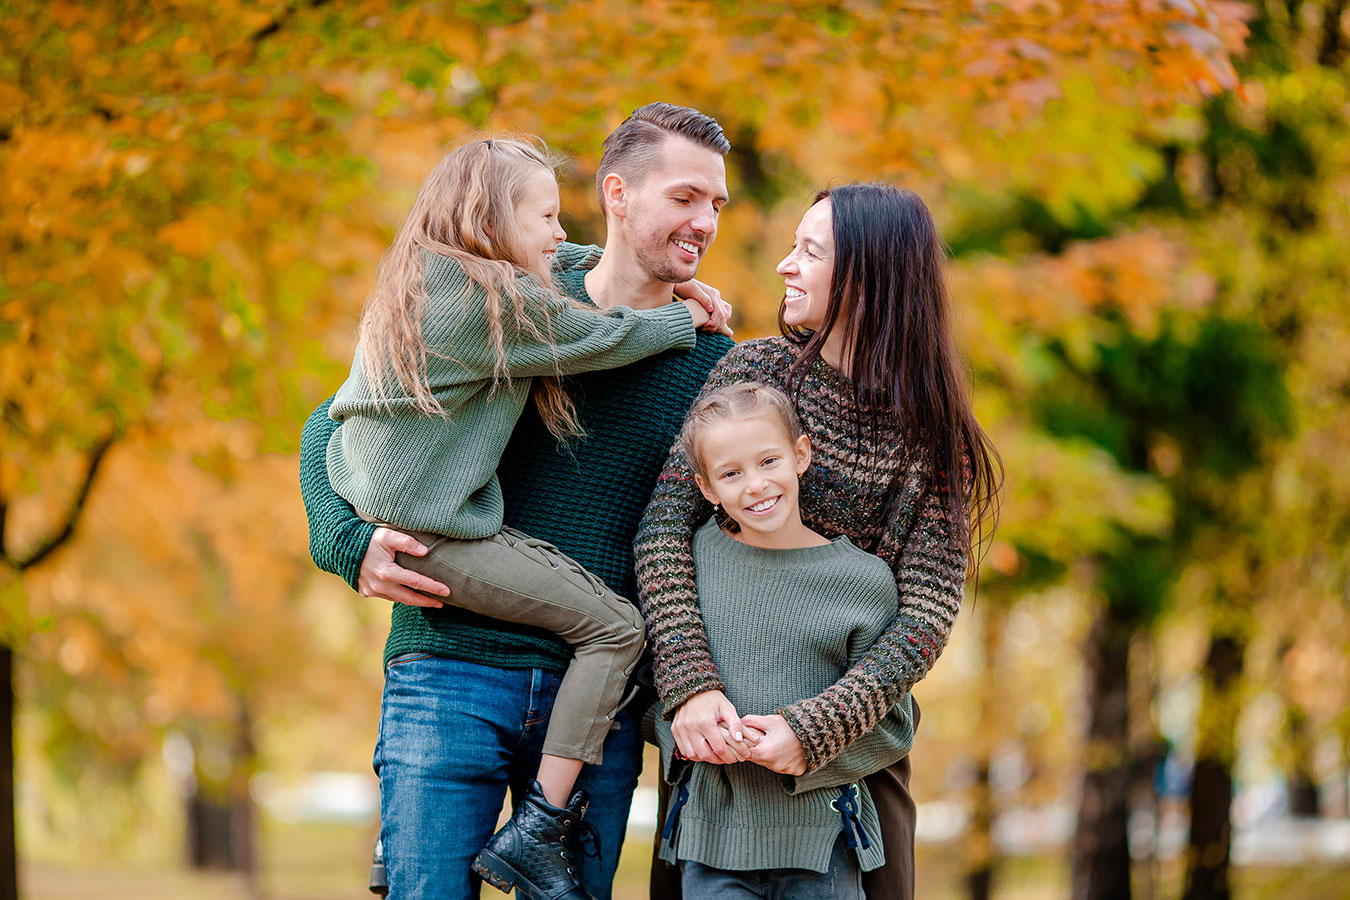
703	489
803	450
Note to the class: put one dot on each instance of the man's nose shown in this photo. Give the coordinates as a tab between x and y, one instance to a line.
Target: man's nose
705	222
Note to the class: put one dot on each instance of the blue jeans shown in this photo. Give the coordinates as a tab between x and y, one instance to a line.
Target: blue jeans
454	738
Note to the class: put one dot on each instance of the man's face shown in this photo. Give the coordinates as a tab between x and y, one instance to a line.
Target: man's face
672	212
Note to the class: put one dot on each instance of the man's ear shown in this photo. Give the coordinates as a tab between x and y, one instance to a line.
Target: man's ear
803	452
703	489
615	191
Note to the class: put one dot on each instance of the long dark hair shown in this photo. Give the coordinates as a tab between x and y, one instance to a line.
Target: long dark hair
889	295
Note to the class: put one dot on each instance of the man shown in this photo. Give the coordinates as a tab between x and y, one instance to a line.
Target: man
467	698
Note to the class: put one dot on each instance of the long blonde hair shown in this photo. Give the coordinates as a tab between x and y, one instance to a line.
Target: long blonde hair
466	210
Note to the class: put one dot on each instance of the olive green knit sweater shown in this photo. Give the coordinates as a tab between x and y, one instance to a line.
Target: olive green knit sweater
438	473
783	625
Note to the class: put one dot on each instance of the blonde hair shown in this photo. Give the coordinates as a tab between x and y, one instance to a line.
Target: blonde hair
466	210
734	403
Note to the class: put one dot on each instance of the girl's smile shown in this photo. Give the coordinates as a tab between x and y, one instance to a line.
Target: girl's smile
752	467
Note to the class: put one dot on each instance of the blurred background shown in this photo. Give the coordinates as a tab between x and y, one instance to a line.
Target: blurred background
1146	206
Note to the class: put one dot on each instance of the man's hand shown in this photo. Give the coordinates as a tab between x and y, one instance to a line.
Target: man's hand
382	577
778	750
697	728
710	298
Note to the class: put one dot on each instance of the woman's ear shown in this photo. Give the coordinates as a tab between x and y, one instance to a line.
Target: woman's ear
803	450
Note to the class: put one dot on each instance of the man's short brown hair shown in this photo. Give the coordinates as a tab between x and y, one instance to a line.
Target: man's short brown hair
631	149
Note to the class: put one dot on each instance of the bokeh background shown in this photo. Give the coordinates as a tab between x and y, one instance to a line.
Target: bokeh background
1146	205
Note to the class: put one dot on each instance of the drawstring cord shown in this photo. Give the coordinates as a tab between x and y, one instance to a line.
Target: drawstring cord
847	804
669	828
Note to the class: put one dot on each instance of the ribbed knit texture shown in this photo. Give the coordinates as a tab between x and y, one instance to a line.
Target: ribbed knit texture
782	625
585	496
842	492
439	473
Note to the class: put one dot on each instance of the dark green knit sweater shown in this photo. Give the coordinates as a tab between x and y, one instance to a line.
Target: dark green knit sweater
586	497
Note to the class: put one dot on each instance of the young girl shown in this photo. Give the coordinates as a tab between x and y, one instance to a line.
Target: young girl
460	327
787	612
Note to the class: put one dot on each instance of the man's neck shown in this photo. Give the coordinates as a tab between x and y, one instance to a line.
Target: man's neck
617	280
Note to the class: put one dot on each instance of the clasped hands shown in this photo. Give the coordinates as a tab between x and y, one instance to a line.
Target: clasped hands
708	729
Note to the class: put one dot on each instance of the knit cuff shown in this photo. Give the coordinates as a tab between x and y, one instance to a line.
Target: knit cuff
346	549
817	752
677	697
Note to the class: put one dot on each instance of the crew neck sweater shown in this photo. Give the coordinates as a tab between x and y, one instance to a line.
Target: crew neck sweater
782	625
438	473
844	491
586	496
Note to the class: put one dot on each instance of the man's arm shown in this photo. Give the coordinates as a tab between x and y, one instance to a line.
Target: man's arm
359	552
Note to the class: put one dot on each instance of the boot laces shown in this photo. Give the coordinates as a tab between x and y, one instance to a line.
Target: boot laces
552	555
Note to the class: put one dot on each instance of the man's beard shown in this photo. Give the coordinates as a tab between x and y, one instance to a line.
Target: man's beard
654	258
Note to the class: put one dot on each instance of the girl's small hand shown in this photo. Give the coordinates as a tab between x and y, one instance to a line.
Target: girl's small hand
697	728
699	314
778	750
719	310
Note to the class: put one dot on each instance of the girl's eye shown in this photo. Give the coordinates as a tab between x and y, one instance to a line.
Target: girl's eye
731	474
769	460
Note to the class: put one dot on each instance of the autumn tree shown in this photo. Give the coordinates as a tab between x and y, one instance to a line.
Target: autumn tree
197	196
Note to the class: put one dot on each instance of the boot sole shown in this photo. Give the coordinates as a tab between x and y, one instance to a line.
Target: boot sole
503	876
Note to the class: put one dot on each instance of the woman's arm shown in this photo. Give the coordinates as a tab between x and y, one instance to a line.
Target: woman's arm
886	744
682	663
359	552
929	563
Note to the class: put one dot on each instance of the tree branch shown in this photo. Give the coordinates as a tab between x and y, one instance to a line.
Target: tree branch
72	517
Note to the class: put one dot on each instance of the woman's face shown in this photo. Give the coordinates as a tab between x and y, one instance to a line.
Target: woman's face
809	269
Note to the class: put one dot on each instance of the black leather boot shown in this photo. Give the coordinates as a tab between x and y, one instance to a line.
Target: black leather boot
532	852
379	877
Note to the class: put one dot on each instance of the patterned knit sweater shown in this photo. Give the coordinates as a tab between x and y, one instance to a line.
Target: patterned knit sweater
585	496
423	472
844	491
782	625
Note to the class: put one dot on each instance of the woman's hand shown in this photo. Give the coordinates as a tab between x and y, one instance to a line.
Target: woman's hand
710	298
382	577
778	750
697	728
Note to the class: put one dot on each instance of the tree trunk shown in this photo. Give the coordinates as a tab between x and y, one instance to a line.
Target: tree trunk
1303	799
9	856
979	850
1207	858
221	822
1101	849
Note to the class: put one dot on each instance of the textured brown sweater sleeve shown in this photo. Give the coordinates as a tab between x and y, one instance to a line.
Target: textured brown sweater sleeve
929	562
682	663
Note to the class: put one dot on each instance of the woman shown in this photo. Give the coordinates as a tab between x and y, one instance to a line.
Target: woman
901	468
